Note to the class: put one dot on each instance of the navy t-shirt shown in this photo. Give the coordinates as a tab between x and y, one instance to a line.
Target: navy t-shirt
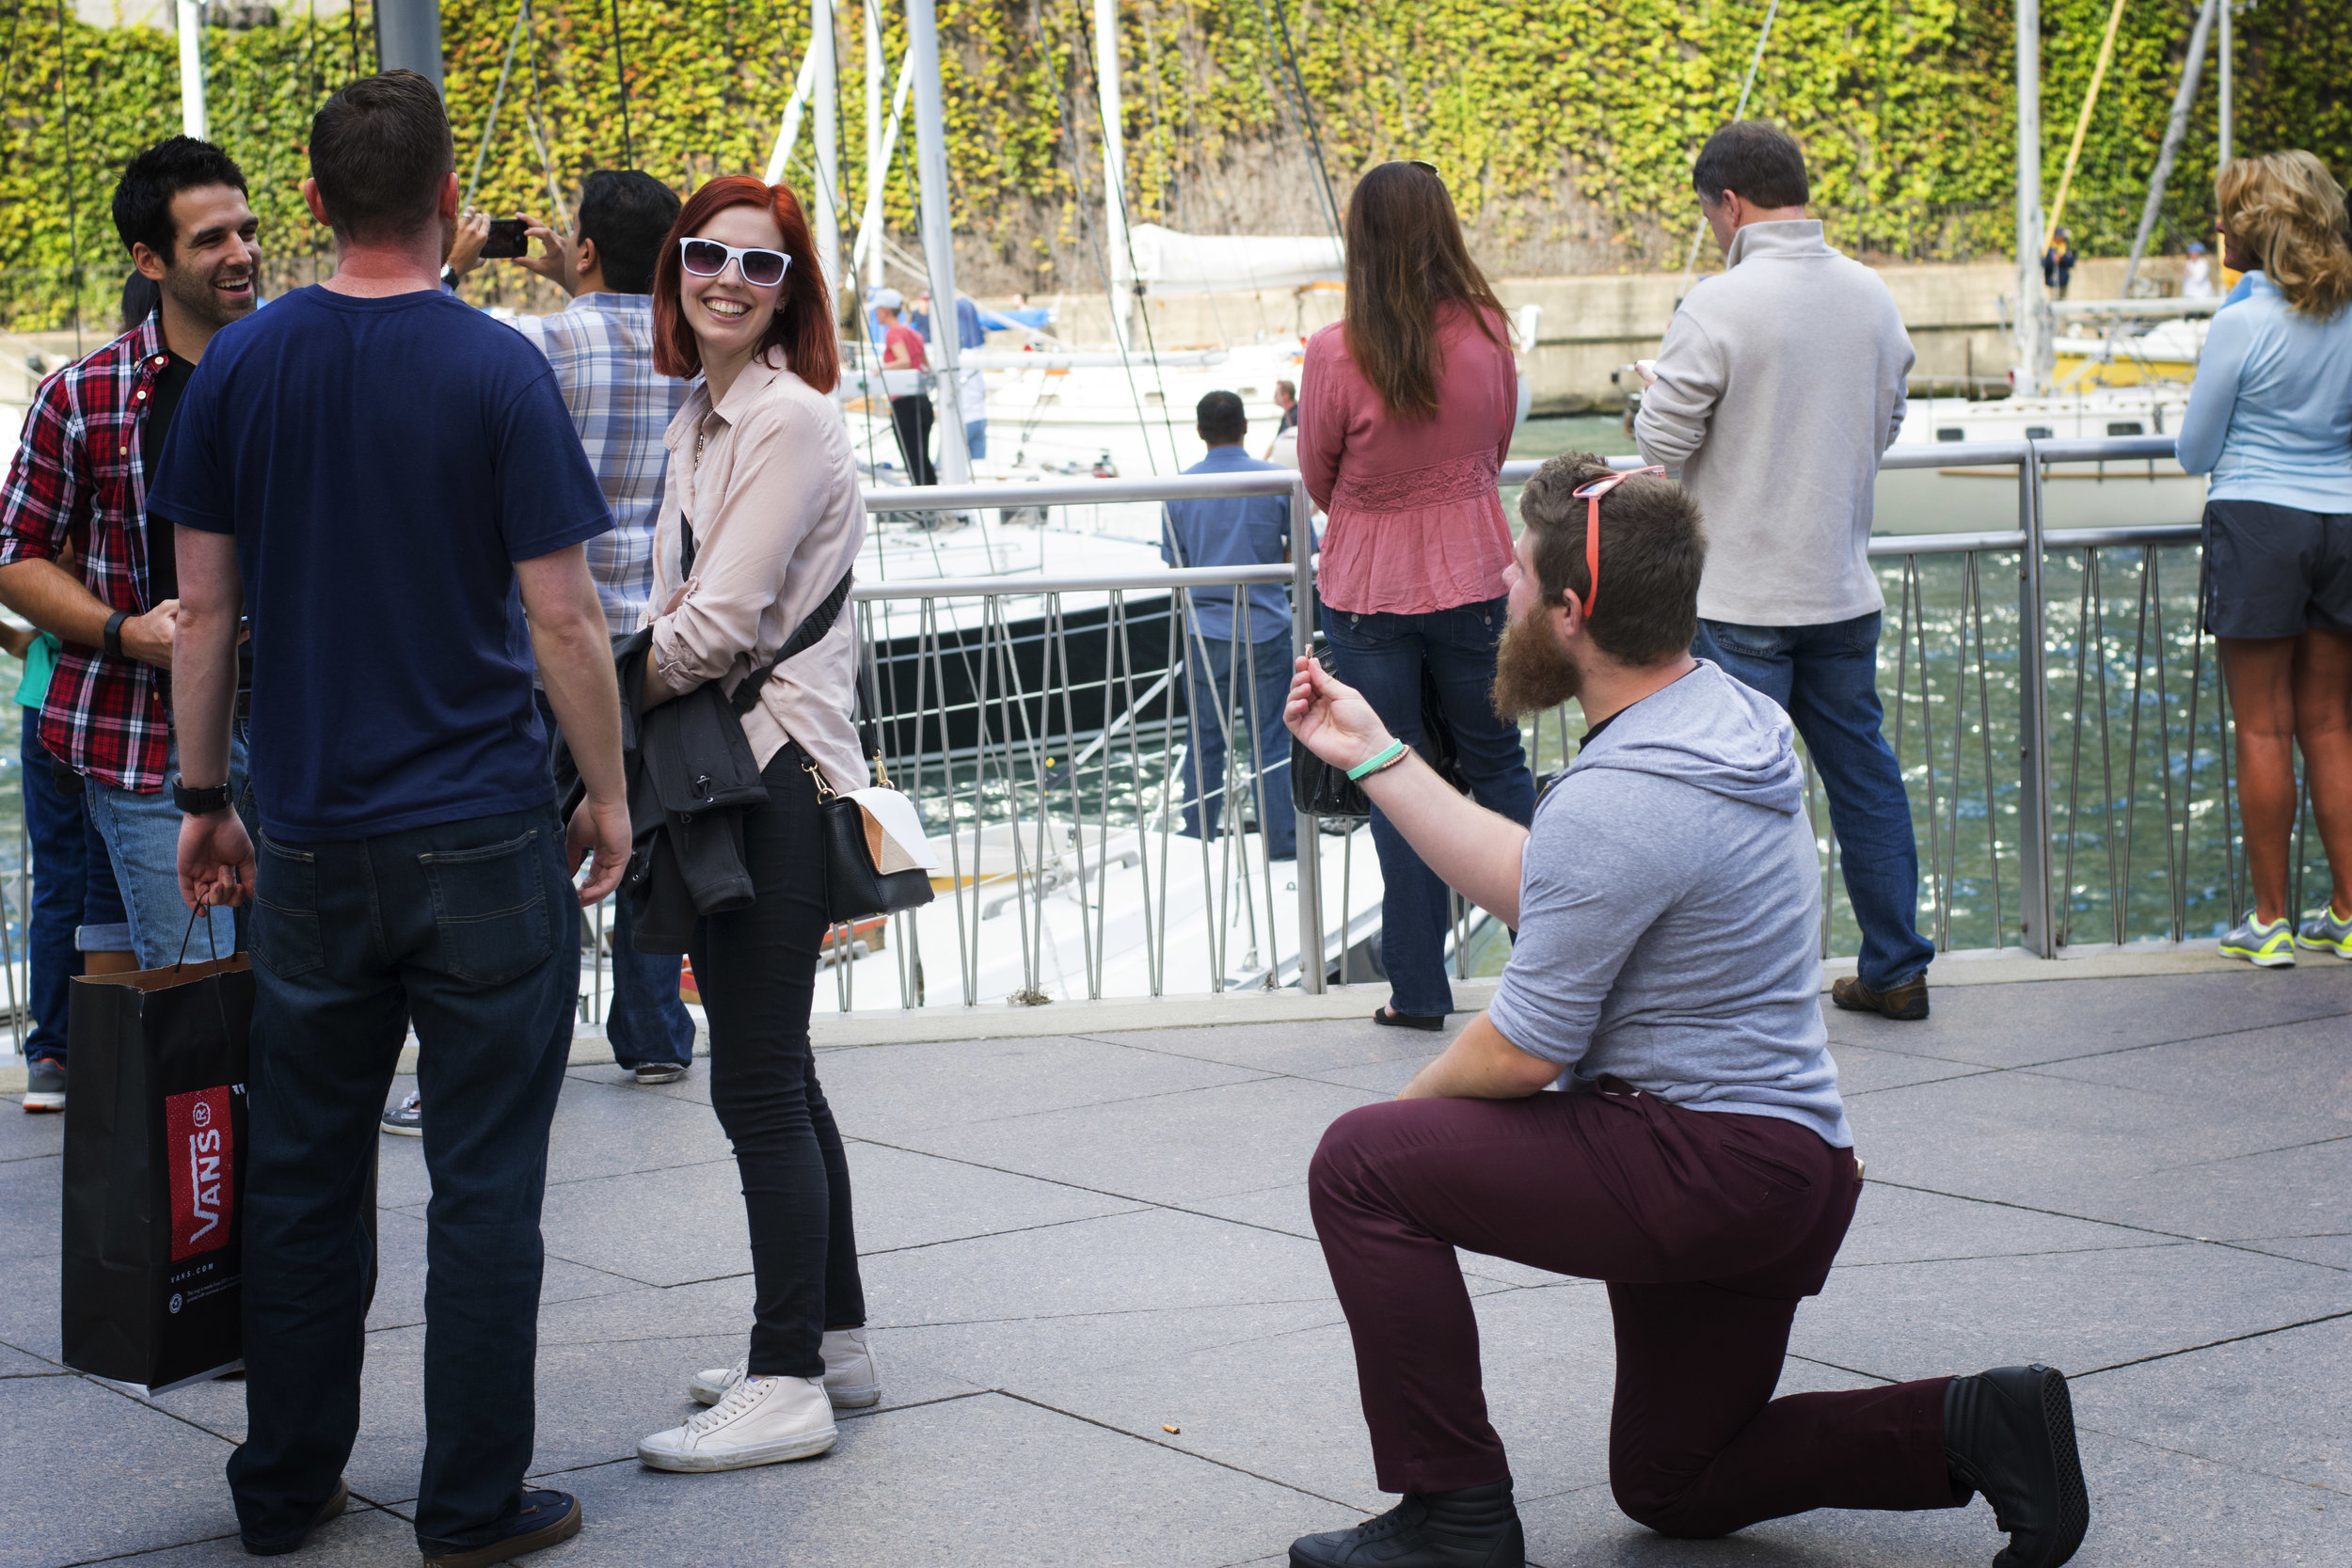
383	463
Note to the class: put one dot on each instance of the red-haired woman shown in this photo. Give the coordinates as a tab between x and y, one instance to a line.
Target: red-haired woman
761	517
1405	413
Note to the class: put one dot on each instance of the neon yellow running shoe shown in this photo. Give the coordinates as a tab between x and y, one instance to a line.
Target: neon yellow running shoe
2324	931
2270	946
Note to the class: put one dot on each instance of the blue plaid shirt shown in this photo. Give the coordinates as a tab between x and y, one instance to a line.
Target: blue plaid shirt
601	346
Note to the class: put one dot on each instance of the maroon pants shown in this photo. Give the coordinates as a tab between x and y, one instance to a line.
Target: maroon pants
1708	1227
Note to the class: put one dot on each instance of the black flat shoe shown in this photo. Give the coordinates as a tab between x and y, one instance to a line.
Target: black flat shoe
546	1519
1476	1526
1407	1020
2010	1434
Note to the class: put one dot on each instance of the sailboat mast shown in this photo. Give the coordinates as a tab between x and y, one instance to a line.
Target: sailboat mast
192	68
939	249
1114	166
2033	309
2227	85
824	93
875	160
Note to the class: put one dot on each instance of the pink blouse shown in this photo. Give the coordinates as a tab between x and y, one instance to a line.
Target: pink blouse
1417	524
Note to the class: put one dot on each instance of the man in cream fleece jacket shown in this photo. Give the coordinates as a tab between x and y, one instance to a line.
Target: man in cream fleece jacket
1780	385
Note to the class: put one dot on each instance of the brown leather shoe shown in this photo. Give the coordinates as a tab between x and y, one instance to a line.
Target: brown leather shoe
1906	1002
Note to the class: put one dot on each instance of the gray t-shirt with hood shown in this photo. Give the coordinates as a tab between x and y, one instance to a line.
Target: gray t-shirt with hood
1670	913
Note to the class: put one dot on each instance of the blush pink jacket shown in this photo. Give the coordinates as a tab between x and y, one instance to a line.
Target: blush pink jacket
1417	524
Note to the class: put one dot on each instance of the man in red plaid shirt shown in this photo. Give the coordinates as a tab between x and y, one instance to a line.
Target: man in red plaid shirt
78	487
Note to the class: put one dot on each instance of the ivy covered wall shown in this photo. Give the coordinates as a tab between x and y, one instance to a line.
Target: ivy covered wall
1564	127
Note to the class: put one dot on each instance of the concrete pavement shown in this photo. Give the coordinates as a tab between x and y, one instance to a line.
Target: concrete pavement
1074	1241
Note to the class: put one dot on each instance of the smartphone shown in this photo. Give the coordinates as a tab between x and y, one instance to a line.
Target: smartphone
509	239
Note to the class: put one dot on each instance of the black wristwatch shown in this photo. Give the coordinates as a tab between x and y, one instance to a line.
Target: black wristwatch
198	802
114	631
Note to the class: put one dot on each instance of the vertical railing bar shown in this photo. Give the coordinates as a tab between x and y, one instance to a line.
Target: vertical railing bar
2074	763
2173	869
1311	950
1915	591
2189	749
1984	729
2131	752
1959	721
2107	748
2038	918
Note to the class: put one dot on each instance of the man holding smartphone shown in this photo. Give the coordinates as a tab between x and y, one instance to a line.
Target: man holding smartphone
601	348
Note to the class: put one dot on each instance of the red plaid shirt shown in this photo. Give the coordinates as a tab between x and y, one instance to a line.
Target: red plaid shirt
78	480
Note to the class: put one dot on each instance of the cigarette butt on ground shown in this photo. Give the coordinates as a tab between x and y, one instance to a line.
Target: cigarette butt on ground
1166	1428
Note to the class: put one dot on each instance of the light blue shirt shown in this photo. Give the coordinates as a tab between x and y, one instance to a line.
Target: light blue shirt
2271	415
1232	531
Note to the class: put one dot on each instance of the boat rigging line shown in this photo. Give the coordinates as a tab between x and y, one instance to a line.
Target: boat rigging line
1115	183
1086	221
620	78
1691	262
2082	124
72	213
1306	113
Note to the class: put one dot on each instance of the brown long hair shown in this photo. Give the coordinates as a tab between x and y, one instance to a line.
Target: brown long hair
1405	257
802	325
2287	212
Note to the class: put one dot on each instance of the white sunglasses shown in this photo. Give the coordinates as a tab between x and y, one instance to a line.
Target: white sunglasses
761	268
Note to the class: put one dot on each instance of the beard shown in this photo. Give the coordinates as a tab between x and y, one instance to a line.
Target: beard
1532	671
195	292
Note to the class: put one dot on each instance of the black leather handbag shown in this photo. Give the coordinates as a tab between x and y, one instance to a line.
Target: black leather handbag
855	886
1320	789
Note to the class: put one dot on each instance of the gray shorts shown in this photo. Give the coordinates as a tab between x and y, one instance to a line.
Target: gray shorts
2276	571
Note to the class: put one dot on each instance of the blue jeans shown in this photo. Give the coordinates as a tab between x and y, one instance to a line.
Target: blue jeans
141	833
1826	676
55	823
975	437
646	1024
1381	656
1213	695
471	930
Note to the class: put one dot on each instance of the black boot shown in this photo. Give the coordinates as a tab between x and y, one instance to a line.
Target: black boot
2010	1434
1474	1527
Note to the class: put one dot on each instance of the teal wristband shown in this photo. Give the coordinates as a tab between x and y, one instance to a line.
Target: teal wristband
1372	764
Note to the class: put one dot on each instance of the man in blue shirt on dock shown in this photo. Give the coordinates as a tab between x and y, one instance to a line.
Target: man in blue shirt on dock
1252	635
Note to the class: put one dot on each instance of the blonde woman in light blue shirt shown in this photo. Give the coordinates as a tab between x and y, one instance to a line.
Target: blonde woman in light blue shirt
2270	418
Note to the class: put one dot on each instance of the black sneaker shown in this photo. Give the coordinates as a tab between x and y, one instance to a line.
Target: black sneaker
661	1073
546	1519
334	1509
44	1084
2010	1434
1476	1526
405	1120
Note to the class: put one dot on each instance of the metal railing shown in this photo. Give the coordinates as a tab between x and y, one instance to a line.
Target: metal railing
2050	695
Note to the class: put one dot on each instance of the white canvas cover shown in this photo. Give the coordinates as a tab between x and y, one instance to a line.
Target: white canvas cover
1168	263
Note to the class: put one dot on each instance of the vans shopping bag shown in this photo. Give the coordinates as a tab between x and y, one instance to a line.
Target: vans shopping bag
154	1170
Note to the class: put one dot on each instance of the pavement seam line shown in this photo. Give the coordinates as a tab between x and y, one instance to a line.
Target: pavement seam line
1187	1453
2215	1344
2086	1219
1135	1198
2209	1459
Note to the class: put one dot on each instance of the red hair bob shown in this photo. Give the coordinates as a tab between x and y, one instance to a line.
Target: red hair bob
803	326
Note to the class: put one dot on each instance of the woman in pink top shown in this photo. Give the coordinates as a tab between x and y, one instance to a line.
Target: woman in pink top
761	519
1404	414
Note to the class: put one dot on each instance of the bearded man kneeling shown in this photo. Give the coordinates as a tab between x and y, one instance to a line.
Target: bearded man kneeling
1665	976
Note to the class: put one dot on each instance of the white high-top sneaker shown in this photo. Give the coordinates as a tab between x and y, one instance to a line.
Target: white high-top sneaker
762	1420
851	1380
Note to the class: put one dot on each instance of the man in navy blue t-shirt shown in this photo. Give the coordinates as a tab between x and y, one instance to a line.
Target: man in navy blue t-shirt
385	482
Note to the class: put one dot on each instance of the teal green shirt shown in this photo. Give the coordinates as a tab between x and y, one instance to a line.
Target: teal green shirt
40	662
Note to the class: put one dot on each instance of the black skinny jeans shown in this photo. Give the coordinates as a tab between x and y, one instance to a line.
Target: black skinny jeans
757	968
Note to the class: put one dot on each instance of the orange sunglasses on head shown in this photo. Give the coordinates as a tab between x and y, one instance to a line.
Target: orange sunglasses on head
1589	495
